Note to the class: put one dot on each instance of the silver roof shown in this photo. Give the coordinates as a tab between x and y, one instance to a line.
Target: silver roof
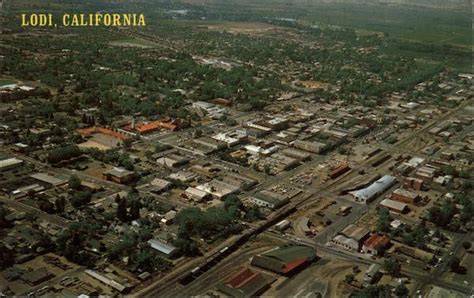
375	188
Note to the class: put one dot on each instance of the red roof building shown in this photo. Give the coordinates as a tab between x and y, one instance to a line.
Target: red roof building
375	244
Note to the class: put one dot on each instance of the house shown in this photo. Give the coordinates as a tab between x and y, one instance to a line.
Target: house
375	244
118	175
165	249
366	195
372	274
169	217
285	260
246	283
394	206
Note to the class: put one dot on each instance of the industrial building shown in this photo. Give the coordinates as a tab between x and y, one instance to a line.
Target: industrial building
285	260
368	194
246	283
165	249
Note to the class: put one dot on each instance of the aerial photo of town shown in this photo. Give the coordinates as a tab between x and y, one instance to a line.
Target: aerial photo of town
236	148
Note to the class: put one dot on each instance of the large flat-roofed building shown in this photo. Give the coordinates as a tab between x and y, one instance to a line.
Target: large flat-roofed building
195	194
368	194
246	283
173	160
313	147
9	163
49	179
218	189
394	206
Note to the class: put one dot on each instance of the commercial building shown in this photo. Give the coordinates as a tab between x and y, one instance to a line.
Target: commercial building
9	163
285	260
394	206
351	238
405	196
413	183
269	199
49	179
375	244
313	147
108	281
195	194
368	194
426	173
173	160
118	175
218	189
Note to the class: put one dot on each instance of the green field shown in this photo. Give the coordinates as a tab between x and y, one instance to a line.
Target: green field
427	24
4	82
